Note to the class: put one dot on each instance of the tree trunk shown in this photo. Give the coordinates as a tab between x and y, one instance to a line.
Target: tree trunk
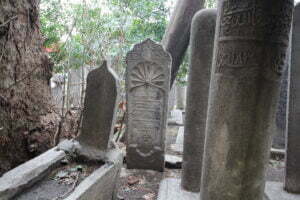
25	72
177	36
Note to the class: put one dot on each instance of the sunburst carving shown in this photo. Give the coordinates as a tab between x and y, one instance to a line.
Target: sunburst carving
147	74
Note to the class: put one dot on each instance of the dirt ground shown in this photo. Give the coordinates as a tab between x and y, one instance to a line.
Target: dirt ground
144	184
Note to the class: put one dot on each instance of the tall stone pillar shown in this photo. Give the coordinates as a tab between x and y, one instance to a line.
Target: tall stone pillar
250	50
292	172
202	45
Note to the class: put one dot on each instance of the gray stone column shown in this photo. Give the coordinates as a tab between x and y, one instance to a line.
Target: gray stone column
292	172
202	44
250	50
177	35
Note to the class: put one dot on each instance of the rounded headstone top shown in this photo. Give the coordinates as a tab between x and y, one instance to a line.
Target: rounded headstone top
205	14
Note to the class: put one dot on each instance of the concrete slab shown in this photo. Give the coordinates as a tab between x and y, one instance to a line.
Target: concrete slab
274	191
170	189
27	174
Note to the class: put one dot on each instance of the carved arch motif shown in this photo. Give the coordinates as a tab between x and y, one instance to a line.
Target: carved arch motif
147	74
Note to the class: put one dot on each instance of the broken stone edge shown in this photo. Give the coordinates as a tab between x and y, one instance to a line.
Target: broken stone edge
100	185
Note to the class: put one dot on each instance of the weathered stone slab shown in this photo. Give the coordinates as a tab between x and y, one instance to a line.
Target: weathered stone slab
173	162
99	112
202	45
147	85
170	189
27	174
251	42
100	185
292	174
274	191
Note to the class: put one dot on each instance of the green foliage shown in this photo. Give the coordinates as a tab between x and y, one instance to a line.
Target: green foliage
89	32
210	3
86	33
52	22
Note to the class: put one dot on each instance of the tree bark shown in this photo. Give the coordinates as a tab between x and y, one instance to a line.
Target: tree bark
25	72
177	35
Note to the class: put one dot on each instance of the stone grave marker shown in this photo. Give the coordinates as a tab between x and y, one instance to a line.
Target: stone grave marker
252	37
99	113
147	86
202	45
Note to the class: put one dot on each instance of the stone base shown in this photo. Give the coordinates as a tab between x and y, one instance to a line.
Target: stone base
274	191
170	189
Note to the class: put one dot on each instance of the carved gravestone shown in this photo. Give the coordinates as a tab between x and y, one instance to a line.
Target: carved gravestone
147	85
252	37
99	113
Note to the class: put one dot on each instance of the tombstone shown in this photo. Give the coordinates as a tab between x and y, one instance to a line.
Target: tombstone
202	44
181	96
292	173
252	37
99	113
147	86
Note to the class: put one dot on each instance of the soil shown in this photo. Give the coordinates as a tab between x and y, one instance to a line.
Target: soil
60	182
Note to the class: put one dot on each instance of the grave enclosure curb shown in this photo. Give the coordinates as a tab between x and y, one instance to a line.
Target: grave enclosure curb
100	185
